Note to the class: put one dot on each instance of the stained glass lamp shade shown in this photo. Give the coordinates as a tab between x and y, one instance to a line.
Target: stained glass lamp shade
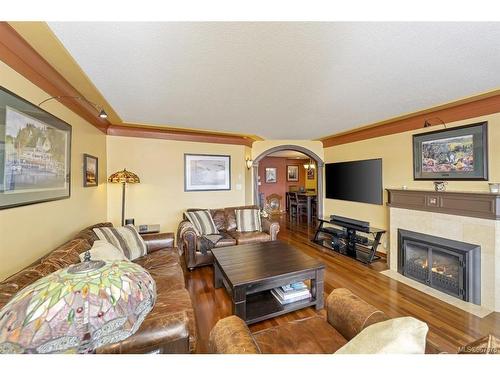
78	309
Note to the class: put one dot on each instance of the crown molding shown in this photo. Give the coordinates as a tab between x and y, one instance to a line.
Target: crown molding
479	105
20	56
178	135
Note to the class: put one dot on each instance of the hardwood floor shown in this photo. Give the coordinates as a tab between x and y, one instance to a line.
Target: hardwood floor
449	326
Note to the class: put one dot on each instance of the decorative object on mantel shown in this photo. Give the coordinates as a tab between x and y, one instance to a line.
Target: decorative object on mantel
78	309
100	110
123	177
459	153
35	156
207	172
494	187
90	170
440	185
484	205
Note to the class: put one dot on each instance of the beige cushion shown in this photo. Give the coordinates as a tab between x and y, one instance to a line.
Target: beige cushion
248	220
126	239
102	250
394	336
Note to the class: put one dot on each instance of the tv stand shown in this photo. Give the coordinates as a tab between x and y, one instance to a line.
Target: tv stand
344	238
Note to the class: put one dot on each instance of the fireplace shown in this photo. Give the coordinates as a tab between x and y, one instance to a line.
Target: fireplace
449	266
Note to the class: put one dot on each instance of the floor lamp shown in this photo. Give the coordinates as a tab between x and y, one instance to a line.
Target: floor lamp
123	177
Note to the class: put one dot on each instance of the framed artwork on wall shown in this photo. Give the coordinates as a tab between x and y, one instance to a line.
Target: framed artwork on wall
292	173
310	174
459	153
90	170
207	172
271	175
35	153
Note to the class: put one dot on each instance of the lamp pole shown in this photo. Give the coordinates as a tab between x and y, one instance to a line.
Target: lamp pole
123	203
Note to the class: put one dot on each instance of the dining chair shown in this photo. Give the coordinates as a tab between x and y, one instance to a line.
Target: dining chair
298	206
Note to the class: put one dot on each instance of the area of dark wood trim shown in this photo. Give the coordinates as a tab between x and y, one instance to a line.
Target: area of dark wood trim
177	135
461	110
21	57
471	204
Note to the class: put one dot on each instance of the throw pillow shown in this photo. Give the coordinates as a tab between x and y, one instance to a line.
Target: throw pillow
202	221
102	250
248	220
126	239
394	336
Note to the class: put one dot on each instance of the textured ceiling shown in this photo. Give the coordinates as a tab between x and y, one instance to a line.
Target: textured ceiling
282	80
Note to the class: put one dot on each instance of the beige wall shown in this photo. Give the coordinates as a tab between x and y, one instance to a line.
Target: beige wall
160	197
29	232
397	168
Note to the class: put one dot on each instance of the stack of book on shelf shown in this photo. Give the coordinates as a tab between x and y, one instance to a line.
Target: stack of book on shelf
291	293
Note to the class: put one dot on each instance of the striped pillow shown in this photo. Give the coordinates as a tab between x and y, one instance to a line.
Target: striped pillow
248	220
202	221
126	239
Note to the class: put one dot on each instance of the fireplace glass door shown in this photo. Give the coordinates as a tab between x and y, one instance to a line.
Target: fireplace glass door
417	261
439	268
445	272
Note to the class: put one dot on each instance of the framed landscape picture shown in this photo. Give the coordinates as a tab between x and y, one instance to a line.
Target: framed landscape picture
207	172
271	175
292	172
90	170
35	153
459	153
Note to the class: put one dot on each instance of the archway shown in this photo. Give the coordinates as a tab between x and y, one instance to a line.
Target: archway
311	154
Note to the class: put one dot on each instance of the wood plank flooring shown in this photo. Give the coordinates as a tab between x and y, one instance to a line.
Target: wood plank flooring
449	326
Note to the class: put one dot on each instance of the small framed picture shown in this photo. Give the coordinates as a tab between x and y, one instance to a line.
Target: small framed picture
270	175
207	172
90	170
292	173
310	174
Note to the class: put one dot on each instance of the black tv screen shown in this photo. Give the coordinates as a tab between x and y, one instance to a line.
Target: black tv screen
359	181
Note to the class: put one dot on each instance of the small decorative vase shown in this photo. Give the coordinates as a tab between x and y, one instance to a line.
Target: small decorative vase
494	187
440	185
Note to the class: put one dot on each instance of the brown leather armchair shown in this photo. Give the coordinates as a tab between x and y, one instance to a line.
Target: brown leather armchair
347	315
225	220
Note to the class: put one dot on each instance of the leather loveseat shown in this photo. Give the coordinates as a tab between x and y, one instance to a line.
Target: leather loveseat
225	221
169	328
347	315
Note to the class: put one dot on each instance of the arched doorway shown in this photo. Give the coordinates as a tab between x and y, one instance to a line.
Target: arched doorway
309	153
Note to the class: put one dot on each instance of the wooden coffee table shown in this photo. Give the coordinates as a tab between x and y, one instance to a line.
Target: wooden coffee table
250	271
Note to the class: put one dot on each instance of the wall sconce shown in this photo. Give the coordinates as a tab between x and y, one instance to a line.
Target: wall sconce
427	122
249	163
101	112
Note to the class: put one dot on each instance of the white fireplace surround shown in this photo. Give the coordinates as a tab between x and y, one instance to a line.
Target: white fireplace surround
482	232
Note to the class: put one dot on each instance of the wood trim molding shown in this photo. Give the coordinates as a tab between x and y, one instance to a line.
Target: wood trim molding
20	56
461	110
178	135
471	204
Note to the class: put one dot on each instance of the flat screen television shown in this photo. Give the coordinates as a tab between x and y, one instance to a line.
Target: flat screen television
358	181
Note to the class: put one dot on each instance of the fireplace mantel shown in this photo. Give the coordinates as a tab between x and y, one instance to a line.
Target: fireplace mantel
472	204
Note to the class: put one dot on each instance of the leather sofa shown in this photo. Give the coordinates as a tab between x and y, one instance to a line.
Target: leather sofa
225	220
169	328
347	315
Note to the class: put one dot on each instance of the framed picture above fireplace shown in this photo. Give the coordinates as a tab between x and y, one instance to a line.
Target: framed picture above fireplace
459	153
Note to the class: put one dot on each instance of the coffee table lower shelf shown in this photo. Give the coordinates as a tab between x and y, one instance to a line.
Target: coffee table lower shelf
263	305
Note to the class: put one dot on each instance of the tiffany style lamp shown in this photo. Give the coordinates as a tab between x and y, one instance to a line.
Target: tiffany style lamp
78	309
124	177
